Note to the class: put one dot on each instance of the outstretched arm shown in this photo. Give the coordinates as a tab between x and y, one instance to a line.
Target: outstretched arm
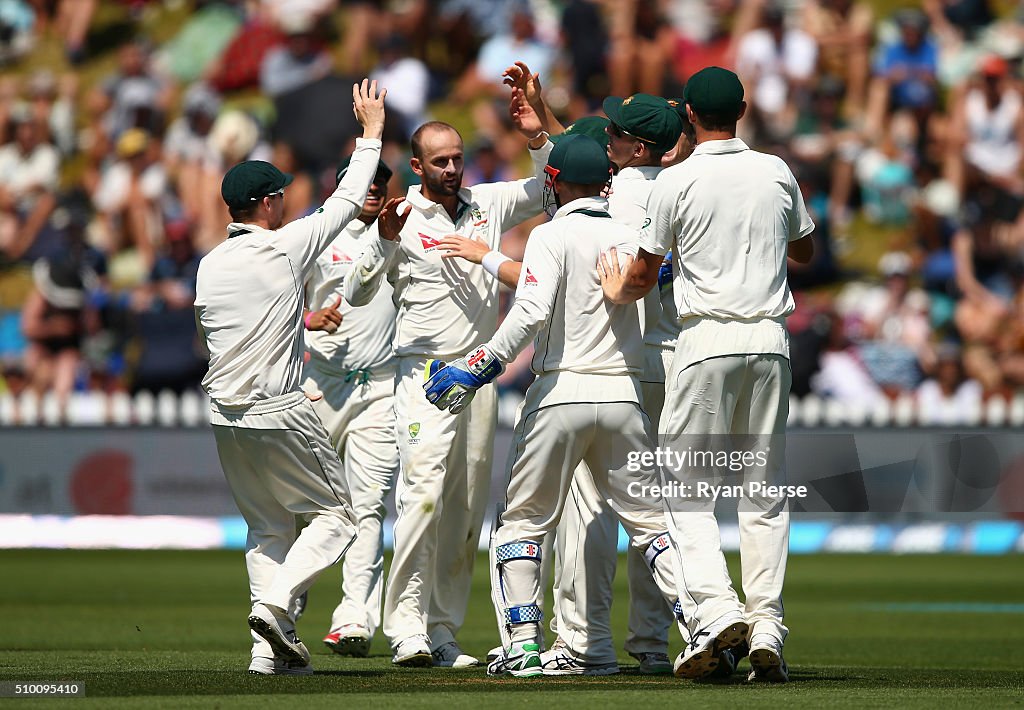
474	251
304	239
519	76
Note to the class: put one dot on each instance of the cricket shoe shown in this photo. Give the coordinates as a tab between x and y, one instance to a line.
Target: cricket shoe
349	640
653	662
559	660
521	660
278	666
449	655
414	652
495	653
275	627
766	662
701	656
727	661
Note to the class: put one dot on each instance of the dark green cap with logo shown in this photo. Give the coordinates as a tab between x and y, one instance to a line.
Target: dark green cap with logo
593	126
382	170
250	181
651	119
579	159
714	91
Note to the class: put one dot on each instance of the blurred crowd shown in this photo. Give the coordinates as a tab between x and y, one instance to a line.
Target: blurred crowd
904	127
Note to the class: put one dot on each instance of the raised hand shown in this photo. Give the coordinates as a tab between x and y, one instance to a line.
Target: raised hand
523	115
390	222
519	76
368	107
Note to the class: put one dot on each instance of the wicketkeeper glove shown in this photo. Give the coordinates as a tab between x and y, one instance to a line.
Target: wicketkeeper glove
452	386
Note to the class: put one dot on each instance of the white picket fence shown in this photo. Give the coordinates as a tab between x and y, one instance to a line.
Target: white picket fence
192	409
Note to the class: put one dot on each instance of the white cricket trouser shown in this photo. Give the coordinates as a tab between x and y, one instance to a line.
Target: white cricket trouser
737	394
279	463
550	441
586	545
360	419
441	498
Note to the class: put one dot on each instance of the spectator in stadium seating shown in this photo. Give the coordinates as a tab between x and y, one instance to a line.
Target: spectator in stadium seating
895	328
166	343
300	60
238	66
55	319
822	137
517	42
484	165
53	105
776	64
187	151
842	375
129	198
396	69
585	40
29	174
988	130
949	398
133	97
641	46
18	29
905	72
843	31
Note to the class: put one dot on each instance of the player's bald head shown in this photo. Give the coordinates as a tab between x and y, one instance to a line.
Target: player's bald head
431	134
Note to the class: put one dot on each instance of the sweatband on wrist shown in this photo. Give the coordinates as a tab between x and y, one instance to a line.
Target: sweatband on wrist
307	318
492	261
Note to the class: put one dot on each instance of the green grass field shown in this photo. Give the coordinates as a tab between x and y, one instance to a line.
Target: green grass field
168	630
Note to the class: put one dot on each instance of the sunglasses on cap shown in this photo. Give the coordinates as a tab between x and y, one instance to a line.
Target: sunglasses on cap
275	193
617	131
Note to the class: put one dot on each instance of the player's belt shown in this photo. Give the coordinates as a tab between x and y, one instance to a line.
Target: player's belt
591	213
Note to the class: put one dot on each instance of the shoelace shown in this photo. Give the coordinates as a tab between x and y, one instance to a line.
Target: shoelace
694	641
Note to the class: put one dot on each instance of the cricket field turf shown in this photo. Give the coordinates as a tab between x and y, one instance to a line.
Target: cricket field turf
167	629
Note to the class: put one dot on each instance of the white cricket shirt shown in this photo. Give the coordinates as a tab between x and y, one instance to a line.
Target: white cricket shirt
249	292
631	189
366	335
560	304
728	213
446	306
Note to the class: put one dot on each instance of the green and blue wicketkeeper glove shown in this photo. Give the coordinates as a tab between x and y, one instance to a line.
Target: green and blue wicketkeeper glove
452	386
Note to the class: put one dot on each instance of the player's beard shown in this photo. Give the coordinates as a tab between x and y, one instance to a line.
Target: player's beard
443	187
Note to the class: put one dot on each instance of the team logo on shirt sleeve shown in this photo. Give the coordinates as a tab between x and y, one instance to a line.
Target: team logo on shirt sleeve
530	278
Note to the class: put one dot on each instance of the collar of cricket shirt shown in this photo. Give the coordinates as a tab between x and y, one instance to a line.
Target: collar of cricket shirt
238	229
729	145
415	198
584	204
637	172
357	228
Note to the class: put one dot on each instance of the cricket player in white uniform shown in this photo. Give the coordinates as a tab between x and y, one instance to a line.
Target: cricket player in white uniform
583	406
276	455
350	375
586	538
731	216
444	308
